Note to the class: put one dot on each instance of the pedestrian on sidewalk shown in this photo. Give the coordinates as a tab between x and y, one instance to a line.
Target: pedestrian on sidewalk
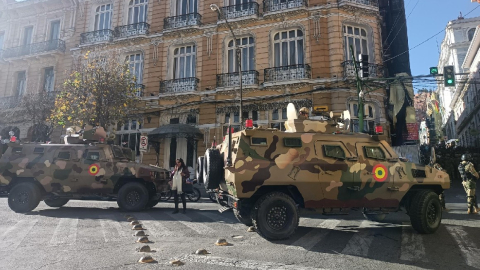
179	177
469	176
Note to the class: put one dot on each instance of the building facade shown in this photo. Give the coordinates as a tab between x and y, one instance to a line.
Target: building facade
183	55
458	36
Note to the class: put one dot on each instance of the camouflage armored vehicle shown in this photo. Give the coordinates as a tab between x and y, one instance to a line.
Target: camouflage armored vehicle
84	169
270	177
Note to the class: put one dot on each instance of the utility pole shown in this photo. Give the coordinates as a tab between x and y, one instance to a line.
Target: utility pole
359	93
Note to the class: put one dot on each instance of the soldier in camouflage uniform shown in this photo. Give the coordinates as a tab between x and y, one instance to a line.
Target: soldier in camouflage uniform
469	176
303	113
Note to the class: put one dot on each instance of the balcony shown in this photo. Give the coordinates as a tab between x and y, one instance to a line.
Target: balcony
283	5
179	85
10	102
56	45
349	70
98	36
239	11
131	30
182	21
233	79
288	73
369	3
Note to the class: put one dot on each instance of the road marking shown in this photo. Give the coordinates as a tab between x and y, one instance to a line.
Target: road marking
360	242
110	225
65	232
196	226
241	263
470	251
412	248
13	236
309	240
154	227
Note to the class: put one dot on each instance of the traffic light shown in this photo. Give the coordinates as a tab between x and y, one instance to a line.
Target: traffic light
449	76
363	59
433	70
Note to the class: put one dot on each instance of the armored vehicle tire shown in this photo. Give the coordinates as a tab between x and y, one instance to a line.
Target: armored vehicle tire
244	219
133	196
275	216
199	170
24	197
213	168
425	212
373	217
56	202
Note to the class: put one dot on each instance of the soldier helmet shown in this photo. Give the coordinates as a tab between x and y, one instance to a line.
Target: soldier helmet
304	109
466	157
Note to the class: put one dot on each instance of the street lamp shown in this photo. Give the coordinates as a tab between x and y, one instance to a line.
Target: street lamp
214	7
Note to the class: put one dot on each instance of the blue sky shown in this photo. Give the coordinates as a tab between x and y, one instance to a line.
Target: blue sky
425	18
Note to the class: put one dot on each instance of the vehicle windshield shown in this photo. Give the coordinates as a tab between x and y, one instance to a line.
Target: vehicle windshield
122	152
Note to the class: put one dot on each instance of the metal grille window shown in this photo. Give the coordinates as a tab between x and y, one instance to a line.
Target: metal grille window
356	37
48	79
184	62
137	11
135	64
288	48
103	17
21	83
247	54
184	7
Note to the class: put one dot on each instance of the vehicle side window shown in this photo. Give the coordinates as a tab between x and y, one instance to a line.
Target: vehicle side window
334	151
38	150
93	156
17	150
65	155
374	152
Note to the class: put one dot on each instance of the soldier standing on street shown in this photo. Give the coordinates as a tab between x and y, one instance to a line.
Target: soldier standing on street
469	176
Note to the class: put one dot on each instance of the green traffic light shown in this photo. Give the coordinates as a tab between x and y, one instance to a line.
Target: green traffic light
450	81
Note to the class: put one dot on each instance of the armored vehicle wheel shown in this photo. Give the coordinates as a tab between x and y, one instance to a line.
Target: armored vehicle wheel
244	219
212	169
56	202
425	212
195	195
275	216
199	170
133	196
24	197
374	217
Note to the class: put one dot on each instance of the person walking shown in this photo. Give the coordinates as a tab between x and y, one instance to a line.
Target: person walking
179	177
469	176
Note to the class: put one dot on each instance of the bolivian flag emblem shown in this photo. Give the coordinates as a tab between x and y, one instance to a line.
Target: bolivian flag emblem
380	173
93	169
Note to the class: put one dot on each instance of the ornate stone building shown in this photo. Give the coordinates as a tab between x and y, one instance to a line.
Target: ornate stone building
183	55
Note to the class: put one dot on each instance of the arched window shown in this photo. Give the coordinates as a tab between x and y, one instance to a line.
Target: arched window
137	11
184	62
247	54
103	17
184	7
471	33
288	48
135	64
356	37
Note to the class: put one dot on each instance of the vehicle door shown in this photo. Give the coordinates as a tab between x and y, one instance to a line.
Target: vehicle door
375	180
93	166
335	176
65	175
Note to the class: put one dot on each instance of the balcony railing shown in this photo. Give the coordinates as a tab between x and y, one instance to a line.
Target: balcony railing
35	48
131	30
10	102
238	11
373	3
279	5
288	73
96	36
233	79
191	19
179	85
374	70
140	89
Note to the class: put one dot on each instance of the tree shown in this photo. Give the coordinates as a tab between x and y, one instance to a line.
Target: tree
37	108
100	91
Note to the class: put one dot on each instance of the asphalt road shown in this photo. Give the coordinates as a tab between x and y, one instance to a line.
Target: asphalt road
96	235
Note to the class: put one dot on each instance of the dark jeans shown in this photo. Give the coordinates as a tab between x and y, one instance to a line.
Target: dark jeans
175	198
